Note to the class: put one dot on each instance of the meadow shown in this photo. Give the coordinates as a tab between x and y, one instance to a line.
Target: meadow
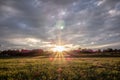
41	68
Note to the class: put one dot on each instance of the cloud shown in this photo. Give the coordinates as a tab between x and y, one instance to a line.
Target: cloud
85	22
105	45
60	2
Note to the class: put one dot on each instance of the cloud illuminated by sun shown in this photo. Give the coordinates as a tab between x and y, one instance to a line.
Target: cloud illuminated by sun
59	49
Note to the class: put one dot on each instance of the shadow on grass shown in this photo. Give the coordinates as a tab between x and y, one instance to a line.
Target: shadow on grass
17	57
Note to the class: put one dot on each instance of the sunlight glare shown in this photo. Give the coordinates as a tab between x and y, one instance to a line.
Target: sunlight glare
59	49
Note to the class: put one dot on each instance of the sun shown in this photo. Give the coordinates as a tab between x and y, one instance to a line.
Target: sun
59	49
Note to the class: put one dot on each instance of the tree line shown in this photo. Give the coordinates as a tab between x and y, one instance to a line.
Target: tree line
22	52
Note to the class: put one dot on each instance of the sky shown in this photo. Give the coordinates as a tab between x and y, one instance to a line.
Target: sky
30	24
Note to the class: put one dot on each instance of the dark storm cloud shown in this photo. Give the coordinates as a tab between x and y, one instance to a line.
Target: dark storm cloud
86	22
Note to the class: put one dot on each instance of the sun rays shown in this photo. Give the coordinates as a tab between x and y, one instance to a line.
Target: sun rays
59	49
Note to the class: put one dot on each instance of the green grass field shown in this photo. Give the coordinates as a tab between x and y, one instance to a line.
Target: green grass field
40	68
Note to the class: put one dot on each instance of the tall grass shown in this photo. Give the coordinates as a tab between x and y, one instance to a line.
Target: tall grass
35	68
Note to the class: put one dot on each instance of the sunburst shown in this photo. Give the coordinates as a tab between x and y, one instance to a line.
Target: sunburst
59	49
